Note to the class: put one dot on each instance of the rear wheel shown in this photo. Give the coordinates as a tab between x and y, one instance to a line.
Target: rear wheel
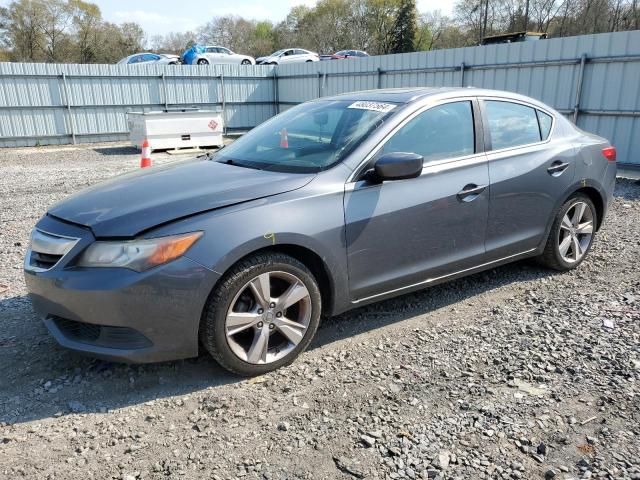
262	315
571	234
245	62
203	61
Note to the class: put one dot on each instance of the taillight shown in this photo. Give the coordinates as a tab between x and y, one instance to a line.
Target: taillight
609	153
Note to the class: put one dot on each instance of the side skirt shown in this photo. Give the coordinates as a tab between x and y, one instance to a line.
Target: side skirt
444	278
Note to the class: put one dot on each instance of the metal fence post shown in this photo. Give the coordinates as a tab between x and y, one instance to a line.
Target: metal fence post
576	105
462	74
166	93
224	104
67	100
319	84
276	102
379	78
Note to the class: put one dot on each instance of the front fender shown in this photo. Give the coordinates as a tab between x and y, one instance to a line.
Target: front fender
314	222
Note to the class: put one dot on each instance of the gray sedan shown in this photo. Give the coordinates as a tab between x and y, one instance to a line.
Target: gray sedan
330	205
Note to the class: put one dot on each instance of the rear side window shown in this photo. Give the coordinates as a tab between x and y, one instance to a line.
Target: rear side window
444	131
511	124
545	122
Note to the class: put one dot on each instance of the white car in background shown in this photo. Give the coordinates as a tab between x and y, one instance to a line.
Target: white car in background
214	54
289	55
159	58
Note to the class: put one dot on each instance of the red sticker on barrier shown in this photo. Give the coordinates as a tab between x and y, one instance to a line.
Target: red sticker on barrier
213	124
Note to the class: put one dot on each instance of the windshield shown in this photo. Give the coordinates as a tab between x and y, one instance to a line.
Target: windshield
308	138
275	54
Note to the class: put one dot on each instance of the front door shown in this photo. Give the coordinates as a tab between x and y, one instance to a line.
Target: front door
407	232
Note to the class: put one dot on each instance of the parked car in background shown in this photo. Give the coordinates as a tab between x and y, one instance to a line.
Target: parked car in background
215	54
159	58
289	55
333	204
342	54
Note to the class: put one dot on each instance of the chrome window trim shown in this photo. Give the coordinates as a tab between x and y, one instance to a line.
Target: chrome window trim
482	98
358	170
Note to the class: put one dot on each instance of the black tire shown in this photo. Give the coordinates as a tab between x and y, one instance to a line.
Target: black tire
309	61
212	329
202	61
551	256
245	62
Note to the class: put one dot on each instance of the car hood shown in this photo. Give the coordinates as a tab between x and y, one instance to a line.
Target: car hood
133	203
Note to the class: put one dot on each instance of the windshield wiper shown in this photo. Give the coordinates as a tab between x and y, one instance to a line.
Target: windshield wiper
235	163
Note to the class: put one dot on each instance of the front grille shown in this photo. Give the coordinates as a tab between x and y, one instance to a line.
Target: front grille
102	335
44	260
47	249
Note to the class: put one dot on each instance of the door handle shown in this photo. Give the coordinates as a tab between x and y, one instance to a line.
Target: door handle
557	168
470	192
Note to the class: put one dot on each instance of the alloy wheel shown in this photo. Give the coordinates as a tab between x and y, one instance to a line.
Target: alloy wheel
576	232
268	317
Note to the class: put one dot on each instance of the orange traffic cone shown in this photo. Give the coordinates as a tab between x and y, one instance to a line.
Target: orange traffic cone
145	160
284	139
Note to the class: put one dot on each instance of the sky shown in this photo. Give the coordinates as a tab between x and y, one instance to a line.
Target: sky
162	16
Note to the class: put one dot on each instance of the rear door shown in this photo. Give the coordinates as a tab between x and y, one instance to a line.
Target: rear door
226	57
409	232
528	170
213	54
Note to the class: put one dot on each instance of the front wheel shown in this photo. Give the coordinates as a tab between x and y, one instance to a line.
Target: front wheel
245	62
571	234
262	315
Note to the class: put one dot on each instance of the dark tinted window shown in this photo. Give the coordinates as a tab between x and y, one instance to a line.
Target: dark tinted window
444	131
511	124
136	59
545	124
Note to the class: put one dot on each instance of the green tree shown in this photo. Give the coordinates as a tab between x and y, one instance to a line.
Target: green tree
87	20
405	27
54	22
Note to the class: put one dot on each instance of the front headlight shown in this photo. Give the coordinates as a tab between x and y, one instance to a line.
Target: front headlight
137	255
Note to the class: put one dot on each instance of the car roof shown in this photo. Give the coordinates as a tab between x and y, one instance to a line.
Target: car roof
408	95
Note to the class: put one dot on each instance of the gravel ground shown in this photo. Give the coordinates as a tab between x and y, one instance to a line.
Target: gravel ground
518	372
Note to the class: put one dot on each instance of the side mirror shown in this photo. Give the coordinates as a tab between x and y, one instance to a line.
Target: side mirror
398	166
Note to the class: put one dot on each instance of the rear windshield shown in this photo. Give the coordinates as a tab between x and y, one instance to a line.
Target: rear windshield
308	138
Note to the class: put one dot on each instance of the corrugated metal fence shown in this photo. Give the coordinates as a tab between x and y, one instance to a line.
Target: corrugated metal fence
593	79
42	104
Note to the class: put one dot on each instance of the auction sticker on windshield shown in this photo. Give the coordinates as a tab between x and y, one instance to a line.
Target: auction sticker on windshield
375	106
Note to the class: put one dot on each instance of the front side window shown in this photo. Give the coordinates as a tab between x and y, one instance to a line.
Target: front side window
308	138
443	131
511	124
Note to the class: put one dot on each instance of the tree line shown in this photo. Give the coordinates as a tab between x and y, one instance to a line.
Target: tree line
74	30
